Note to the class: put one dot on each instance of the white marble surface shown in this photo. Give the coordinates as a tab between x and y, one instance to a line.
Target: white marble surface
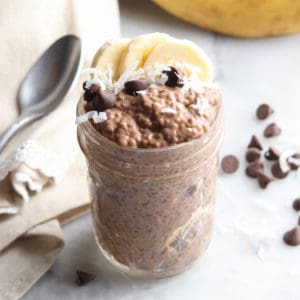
249	72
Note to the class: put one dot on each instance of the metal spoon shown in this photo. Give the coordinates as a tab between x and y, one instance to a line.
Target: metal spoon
46	84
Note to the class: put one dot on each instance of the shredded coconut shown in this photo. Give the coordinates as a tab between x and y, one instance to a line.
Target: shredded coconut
283	160
152	86
191	68
261	252
202	105
96	81
293	160
92	71
154	74
143	92
131	74
163	78
168	110
98	117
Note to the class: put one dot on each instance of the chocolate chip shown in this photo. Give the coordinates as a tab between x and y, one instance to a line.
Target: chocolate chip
174	78
115	197
272	154
264	111
97	98
84	278
296	155
263	179
272	130
292	237
293	166
253	169
104	100
84	85
133	86
296	204
230	164
192	189
294	161
277	172
255	143
91	92
252	154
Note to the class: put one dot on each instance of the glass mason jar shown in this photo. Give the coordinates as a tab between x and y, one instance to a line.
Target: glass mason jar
153	209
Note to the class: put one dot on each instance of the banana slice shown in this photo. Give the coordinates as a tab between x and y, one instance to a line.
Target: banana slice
109	55
181	51
139	49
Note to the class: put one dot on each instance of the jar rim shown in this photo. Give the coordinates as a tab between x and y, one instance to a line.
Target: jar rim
101	138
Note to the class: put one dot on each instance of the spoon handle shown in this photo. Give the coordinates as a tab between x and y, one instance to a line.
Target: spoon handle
16	126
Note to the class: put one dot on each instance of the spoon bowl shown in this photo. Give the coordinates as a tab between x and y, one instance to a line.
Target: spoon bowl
46	83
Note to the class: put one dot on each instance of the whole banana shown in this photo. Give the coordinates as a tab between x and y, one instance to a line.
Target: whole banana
243	18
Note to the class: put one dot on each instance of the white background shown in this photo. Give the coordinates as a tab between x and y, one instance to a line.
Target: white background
248	219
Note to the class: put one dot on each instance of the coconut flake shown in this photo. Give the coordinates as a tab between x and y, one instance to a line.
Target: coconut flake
152	86
180	106
191	68
131	74
202	105
261	252
98	117
156	73
142	92
101	117
104	79
107	78
168	110
294	160
96	81
163	78
92	71
196	86
283	160
266	206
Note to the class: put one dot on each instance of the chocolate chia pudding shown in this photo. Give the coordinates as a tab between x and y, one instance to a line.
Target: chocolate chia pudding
151	139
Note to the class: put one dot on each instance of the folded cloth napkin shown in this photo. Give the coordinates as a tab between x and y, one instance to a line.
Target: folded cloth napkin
42	172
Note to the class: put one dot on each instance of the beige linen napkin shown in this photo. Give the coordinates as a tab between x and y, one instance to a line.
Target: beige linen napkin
47	171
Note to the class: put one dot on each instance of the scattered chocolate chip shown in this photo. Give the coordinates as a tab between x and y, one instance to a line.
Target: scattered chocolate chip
255	143
253	169
272	130
296	155
296	204
133	86
264	111
174	78
293	166
263	179
277	172
84	278
292	237
104	100
294	161
252	154
230	164
91	92
272	154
